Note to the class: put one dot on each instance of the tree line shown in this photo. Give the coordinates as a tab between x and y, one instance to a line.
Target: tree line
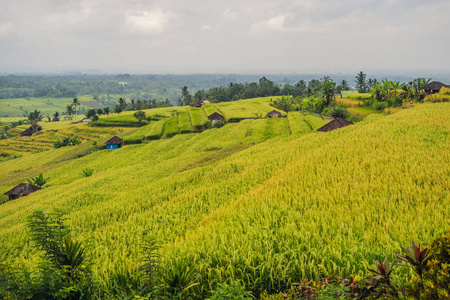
263	88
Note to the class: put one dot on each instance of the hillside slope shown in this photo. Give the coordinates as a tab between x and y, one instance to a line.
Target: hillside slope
239	202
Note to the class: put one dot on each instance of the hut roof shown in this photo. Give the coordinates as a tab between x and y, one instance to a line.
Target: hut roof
22	189
115	140
205	102
335	124
196	104
274	113
216	116
27	132
434	85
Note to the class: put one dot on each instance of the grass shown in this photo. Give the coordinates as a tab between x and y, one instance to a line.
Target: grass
156	130
184	121
346	93
170	127
361	112
297	123
360	96
307	204
198	118
48	106
349	102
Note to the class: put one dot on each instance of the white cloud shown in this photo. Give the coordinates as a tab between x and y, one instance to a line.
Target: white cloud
273	24
151	22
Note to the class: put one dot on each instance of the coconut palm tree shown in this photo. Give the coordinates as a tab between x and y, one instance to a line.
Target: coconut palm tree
76	104
70	110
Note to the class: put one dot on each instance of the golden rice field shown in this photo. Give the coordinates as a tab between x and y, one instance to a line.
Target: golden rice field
267	201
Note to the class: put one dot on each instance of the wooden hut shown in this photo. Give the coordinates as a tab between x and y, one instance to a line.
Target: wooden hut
114	143
28	132
216	118
22	189
274	114
434	87
196	104
335	124
205	102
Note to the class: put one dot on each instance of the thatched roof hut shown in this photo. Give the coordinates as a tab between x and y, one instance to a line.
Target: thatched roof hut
28	132
196	104
335	124
216	117
205	102
22	189
434	87
113	143
274	114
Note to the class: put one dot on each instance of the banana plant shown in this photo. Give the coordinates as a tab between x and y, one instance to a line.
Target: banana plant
38	180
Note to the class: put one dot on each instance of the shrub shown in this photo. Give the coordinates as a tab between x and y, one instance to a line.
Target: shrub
233	291
67	141
379	105
60	275
339	112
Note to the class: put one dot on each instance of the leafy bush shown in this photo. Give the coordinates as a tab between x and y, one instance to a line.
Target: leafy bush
67	141
179	278
339	112
379	105
233	291
60	275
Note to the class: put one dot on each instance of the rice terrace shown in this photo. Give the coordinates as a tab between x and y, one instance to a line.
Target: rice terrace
224	150
280	194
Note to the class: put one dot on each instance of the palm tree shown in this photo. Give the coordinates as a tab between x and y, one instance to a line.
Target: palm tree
344	85
70	110
75	103
35	116
328	89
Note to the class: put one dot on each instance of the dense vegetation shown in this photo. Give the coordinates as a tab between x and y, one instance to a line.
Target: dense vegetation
307	204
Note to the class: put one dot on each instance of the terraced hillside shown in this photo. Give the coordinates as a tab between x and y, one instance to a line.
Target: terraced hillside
267	201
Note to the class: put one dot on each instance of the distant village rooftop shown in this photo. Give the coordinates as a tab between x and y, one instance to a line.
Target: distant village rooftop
274	114
335	124
21	190
434	87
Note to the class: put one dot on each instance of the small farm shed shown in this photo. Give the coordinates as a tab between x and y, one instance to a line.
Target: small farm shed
335	124
274	114
196	104
28	132
114	143
86	120
23	189
216	118
205	102
434	87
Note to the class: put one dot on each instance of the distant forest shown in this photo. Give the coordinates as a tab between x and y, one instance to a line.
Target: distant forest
163	87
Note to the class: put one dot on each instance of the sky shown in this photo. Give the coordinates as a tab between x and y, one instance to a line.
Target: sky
216	36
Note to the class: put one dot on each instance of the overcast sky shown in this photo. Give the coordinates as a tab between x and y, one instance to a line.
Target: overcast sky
215	36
